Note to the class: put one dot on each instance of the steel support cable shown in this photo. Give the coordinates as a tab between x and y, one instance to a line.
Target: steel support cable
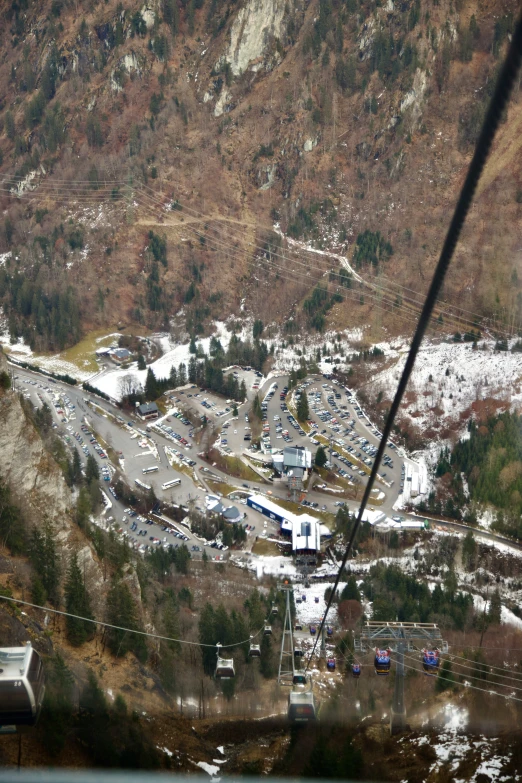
128	630
465	684
492	120
333	256
217	244
154	198
457	658
476	677
96	197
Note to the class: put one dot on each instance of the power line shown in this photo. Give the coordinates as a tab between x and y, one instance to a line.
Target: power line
491	122
89	194
467	685
128	630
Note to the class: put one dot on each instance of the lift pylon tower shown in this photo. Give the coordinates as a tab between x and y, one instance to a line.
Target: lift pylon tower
399	637
286	659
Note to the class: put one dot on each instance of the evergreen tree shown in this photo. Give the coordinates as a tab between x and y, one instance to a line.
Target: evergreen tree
242	391
76	467
266	664
445	679
92	471
469	551
350	591
173	377
12	530
320	457
192	369
206	638
303	413
182	375
141	362
44	557
122	611
151	386
256	407
58	705
181	559
495	608
77	602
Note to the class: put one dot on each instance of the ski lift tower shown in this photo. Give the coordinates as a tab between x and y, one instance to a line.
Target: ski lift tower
399	637
286	659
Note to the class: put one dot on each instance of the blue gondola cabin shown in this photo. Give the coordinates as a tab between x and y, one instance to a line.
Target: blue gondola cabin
430	661
382	662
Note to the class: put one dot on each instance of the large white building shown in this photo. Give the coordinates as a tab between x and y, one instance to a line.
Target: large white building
306	531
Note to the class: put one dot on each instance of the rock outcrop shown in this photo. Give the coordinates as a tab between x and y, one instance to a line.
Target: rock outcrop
25	463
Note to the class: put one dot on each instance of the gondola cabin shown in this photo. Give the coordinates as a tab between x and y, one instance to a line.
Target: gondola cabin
301	706
298	627
255	651
298	652
356	669
21	686
430	661
275	610
224	667
382	662
316	599
329	630
330	664
303	598
313	630
299	678
268	630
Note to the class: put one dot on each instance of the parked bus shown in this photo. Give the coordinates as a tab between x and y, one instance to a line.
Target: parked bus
172	483
152	469
141	485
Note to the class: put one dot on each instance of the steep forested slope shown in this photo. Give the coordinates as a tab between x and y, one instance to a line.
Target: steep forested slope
348	123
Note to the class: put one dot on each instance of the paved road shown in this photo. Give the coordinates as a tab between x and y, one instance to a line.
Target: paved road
101	417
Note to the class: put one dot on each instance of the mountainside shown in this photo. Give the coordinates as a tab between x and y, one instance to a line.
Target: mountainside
350	125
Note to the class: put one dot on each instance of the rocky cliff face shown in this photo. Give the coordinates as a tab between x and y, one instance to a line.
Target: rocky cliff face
37	480
25	463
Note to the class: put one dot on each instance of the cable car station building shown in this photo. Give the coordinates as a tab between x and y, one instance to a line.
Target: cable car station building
305	531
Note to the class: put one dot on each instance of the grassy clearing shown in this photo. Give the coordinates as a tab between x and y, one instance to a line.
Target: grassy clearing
82	355
264	547
235	466
219	487
173	462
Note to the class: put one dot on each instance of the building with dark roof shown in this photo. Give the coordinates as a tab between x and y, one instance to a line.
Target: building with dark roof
120	355
148	410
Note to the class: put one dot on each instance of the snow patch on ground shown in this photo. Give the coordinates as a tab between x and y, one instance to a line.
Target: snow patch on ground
211	769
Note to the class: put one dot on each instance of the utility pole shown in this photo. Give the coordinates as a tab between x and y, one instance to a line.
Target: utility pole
286	659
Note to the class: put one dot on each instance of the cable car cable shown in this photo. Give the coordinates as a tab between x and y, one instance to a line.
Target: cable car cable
367	283
477	677
128	630
466	685
484	663
491	122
